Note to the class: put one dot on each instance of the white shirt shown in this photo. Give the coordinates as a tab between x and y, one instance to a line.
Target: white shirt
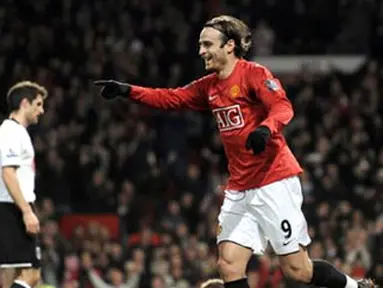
16	149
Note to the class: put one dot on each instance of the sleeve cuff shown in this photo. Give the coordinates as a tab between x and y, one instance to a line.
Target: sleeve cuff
266	124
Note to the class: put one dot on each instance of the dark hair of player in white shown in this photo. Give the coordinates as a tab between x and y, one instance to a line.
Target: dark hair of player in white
25	102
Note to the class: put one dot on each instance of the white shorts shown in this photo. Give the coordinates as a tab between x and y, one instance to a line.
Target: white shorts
271	213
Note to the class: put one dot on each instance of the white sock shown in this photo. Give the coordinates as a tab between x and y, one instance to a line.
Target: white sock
22	283
351	283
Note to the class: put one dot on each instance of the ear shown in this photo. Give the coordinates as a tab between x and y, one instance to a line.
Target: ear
230	45
24	103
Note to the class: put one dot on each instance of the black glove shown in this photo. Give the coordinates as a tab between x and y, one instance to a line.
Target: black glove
257	139
112	89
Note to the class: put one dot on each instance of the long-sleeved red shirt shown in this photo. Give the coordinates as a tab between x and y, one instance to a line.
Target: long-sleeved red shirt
248	98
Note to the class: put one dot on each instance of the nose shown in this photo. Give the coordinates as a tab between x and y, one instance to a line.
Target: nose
202	51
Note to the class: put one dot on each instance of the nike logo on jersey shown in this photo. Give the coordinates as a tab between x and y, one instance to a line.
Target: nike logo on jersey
286	243
212	97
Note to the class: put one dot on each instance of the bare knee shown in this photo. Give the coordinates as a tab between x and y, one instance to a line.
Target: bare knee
232	261
31	276
300	273
297	267
228	268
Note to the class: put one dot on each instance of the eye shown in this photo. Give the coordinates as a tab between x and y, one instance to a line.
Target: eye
205	44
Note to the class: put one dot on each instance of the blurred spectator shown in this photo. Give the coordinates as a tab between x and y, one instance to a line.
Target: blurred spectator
114	275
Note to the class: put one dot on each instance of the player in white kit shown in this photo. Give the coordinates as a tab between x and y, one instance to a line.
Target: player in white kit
19	249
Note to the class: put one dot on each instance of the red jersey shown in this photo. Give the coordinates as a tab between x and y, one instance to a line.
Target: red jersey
248	98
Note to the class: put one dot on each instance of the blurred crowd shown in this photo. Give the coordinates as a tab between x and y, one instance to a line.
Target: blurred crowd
162	172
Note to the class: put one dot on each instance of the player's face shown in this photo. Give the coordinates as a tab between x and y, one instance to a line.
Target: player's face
35	110
212	49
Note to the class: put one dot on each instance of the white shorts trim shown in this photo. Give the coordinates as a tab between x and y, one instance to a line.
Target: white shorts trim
269	214
17	265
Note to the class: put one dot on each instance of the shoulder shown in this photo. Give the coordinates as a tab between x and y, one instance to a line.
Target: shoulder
10	129
7	127
256	68
202	82
207	79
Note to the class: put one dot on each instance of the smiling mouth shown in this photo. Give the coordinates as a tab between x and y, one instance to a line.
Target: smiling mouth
208	59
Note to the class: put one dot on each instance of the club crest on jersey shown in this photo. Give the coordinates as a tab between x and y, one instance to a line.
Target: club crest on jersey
272	85
235	91
229	118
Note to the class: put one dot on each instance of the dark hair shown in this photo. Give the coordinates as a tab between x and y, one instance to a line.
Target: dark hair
235	29
21	90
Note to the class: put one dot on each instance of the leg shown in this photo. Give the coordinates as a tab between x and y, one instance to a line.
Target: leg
28	276
239	236
278	208
297	266
8	275
232	262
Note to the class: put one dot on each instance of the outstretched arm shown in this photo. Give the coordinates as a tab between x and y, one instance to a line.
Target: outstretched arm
191	96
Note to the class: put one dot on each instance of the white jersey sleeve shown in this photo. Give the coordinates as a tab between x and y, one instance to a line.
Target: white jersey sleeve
10	149
16	149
